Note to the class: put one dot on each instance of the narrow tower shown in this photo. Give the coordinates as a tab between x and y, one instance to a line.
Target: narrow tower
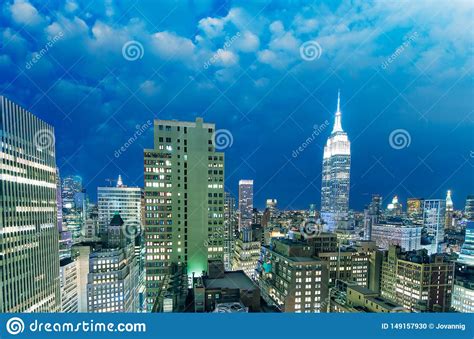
336	172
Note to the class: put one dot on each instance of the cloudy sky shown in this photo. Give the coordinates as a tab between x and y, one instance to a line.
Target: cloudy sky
267	74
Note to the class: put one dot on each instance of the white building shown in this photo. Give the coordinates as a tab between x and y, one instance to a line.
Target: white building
120	199
408	237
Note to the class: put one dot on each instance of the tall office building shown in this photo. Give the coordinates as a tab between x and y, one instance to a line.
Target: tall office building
247	250
230	229
29	262
395	208
434	218
245	203
184	201
469	208
71	185
372	215
463	289
120	199
449	211
336	173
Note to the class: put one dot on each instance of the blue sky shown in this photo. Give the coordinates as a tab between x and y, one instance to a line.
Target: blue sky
400	65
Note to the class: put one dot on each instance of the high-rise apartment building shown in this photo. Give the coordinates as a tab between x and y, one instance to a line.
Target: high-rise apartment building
336	173
245	203
184	201
434	218
416	280
29	244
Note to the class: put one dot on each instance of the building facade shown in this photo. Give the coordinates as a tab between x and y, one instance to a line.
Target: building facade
184	201
434	219
408	237
417	281
29	264
245	203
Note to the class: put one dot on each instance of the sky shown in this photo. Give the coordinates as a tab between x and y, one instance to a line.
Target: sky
267	74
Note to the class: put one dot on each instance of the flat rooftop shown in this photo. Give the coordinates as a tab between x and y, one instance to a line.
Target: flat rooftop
235	279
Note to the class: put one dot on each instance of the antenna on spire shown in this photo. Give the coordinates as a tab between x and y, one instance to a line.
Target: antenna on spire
338	100
119	181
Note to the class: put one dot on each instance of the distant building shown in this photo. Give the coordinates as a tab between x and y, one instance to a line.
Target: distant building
372	215
418	281
395	208
415	209
467	250
469	208
230	229
71	185
245	203
397	232
120	199
291	279
449	212
247	250
434	219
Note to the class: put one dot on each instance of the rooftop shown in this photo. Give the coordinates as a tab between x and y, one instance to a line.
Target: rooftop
234	279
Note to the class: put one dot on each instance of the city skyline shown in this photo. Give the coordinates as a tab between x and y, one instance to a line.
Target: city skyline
258	87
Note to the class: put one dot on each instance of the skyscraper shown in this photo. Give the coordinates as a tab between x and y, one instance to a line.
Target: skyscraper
230	229
245	203
449	211
71	185
336	172
469	209
29	262
184	201
434	214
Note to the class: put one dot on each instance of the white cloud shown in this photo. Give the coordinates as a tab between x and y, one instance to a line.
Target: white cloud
247	42
169	45
24	13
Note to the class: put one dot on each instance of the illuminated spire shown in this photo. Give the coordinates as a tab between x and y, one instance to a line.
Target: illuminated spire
337	122
119	181
449	201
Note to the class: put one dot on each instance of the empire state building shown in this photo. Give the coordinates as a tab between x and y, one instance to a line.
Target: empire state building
336	172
